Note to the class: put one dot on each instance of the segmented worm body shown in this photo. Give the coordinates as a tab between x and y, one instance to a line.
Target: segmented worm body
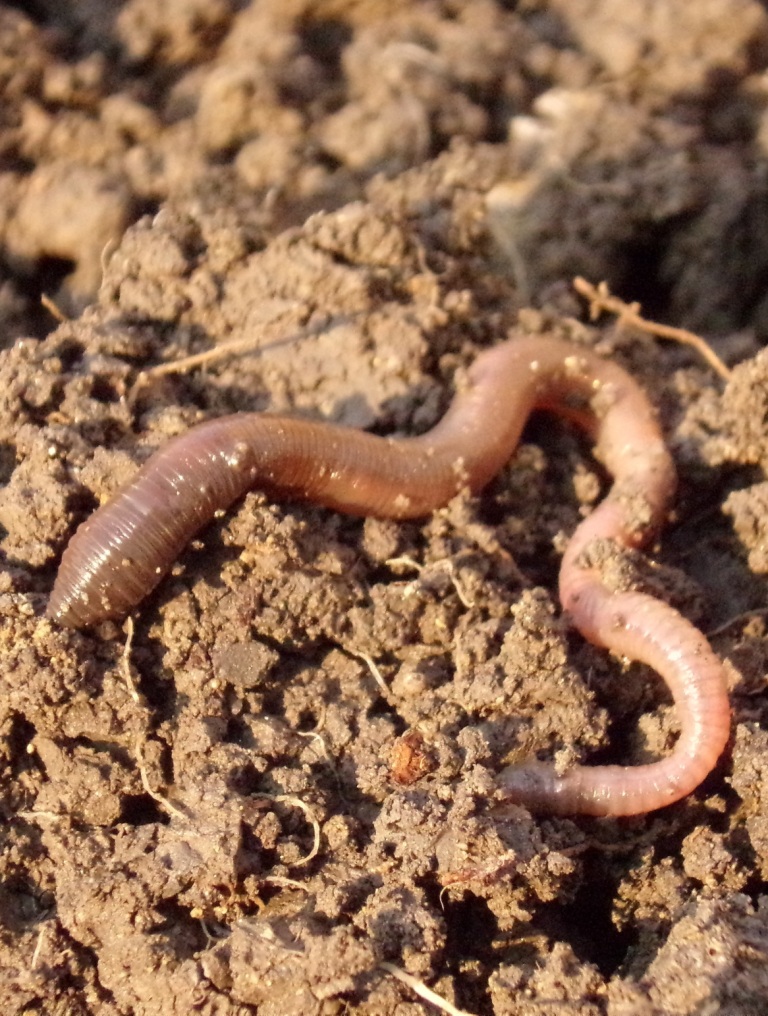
122	552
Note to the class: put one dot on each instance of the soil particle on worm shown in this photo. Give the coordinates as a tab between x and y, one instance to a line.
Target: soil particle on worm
216	820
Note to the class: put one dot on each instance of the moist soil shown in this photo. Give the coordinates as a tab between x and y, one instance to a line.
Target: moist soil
277	784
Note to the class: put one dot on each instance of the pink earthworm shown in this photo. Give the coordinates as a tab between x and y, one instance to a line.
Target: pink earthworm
123	550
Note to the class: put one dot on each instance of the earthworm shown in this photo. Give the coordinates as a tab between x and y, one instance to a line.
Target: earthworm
123	550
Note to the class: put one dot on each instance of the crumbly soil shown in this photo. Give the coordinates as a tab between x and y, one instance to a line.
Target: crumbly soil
284	779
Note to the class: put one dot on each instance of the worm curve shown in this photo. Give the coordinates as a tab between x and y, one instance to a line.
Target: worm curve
123	550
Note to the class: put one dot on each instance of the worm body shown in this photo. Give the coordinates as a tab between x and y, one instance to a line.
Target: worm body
122	552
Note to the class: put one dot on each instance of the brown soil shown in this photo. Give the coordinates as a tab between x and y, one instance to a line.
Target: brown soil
369	192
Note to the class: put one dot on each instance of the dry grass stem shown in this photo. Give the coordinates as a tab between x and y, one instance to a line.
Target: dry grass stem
600	300
423	991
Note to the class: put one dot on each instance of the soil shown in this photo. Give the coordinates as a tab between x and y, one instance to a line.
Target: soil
283	779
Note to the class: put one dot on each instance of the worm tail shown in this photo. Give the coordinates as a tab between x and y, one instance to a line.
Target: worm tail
641	628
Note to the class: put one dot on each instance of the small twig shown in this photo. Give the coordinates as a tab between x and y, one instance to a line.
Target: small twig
186	363
423	991
446	564
107	251
125	661
38	946
125	670
600	299
312	735
49	816
211	937
220	352
403	561
462	594
746	616
375	672
298	803
159	798
284	883
52	309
